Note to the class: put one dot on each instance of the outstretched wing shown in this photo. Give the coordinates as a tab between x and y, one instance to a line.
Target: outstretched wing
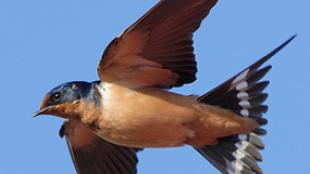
157	50
93	155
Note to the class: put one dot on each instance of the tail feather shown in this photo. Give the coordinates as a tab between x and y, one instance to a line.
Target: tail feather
242	94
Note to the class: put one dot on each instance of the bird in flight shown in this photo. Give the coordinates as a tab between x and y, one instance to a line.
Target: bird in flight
131	107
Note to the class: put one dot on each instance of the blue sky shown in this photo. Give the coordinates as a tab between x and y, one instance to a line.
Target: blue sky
45	43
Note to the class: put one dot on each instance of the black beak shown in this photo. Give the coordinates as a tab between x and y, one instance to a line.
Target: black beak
41	112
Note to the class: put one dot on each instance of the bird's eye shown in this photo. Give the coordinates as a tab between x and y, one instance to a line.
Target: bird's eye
56	96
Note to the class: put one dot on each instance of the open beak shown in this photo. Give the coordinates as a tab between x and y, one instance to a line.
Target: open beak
42	111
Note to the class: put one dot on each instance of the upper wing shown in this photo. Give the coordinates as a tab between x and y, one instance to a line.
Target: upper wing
93	155
157	50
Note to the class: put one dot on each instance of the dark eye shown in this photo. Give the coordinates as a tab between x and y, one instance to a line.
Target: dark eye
56	96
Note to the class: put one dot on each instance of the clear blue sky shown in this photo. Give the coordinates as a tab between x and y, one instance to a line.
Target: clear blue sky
45	43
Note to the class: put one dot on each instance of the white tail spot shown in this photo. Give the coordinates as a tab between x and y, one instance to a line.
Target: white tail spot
236	167
242	86
242	76
244	104
243	137
242	145
239	154
242	95
245	112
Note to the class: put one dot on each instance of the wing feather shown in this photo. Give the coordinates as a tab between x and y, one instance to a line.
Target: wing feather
157	50
93	155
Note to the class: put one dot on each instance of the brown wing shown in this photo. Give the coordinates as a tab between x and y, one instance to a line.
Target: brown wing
93	155
157	50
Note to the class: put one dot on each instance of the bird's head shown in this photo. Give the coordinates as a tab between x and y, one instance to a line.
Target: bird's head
69	100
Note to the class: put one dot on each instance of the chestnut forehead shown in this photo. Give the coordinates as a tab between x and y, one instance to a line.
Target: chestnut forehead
45	101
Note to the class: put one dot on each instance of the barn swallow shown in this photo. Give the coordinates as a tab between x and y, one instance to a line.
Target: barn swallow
131	106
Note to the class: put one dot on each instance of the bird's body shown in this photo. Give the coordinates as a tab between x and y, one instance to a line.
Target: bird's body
130	108
152	117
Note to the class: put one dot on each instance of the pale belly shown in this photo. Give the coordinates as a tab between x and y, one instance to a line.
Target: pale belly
154	118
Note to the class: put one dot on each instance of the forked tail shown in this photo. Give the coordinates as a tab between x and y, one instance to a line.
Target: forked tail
242	94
